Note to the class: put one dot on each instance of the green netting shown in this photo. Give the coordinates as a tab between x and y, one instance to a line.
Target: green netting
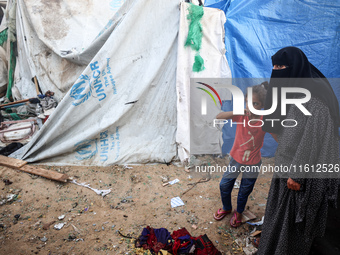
194	39
15	116
12	61
3	37
199	64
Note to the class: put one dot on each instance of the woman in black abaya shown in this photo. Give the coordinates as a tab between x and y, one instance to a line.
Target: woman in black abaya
298	202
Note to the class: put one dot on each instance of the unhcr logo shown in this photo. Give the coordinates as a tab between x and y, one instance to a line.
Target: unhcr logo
86	149
92	85
78	91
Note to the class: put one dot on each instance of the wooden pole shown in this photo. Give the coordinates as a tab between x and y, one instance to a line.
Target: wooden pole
16	102
36	85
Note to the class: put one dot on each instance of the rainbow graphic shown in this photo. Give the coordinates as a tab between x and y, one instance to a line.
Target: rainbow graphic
209	93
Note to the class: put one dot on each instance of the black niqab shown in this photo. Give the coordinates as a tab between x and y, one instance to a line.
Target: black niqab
298	67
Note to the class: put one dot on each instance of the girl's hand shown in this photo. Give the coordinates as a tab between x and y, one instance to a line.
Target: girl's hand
293	185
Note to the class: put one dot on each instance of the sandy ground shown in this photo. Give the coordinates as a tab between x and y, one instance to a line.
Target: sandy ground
137	199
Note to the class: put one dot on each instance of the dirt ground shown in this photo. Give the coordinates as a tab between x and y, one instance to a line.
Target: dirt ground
137	199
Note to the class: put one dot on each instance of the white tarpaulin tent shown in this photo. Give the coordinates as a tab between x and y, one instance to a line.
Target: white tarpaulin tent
58	39
116	74
209	139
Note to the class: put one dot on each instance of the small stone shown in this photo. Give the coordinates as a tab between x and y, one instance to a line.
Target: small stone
44	239
113	226
93	224
17	216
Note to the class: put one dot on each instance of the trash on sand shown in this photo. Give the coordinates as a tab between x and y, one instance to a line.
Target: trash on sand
171	182
258	223
176	201
8	198
240	242
44	239
249	250
103	192
127	167
61	217
165	179
75	229
59	226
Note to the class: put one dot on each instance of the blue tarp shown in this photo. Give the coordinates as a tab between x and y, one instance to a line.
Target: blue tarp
256	29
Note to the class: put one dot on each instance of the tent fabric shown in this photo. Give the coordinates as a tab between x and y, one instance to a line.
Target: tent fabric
256	29
216	66
57	40
122	107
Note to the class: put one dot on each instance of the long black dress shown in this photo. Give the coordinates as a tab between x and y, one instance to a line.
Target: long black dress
294	218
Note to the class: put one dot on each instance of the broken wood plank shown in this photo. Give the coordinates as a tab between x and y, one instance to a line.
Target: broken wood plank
11	162
247	216
22	165
257	232
45	173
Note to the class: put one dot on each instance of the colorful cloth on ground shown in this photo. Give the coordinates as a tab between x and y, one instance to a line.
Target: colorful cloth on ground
180	232
182	243
155	239
204	246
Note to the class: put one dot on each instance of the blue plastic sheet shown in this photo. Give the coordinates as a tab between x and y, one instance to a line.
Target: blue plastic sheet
256	29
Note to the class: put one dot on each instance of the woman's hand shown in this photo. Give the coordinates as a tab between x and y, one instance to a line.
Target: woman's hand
293	185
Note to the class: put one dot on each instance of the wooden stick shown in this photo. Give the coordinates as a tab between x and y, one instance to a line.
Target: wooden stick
45	173
257	232
36	85
193	185
21	165
16	102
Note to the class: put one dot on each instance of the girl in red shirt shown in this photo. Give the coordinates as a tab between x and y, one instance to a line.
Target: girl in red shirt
245	156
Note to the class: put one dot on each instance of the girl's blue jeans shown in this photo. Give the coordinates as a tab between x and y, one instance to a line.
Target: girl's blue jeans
247	184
